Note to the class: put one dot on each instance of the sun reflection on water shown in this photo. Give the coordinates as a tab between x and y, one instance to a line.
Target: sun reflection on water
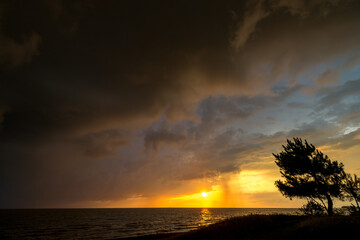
205	217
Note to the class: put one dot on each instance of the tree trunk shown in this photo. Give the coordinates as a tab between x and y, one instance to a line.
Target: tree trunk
330	205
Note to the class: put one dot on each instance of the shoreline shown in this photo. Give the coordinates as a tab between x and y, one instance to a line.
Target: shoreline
269	227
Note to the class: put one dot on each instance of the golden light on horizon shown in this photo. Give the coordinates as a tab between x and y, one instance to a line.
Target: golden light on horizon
235	190
199	199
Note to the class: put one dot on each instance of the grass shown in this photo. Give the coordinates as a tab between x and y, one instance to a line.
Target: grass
272	227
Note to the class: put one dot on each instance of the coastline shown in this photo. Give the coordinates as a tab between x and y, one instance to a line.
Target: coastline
269	227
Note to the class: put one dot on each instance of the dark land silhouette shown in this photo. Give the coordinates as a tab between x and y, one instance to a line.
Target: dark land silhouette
272	227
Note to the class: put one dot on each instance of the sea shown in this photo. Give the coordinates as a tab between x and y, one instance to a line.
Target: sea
114	223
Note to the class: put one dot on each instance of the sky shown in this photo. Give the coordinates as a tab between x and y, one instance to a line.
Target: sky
152	103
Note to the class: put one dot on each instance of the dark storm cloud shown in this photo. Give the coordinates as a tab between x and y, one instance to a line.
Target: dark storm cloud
259	10
155	136
102	144
338	94
86	87
124	61
288	46
18	53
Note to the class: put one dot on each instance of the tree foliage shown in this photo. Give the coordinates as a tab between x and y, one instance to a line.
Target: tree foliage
308	173
351	189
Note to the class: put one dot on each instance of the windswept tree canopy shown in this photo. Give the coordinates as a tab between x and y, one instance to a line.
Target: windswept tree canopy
308	173
351	188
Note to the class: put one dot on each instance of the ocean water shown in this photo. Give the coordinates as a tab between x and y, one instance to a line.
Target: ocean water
113	223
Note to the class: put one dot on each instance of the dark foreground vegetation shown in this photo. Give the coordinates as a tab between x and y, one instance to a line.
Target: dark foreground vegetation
273	227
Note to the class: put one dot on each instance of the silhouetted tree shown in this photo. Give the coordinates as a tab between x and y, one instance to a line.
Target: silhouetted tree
351	188
309	174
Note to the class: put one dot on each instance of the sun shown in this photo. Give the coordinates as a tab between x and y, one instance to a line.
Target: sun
204	194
